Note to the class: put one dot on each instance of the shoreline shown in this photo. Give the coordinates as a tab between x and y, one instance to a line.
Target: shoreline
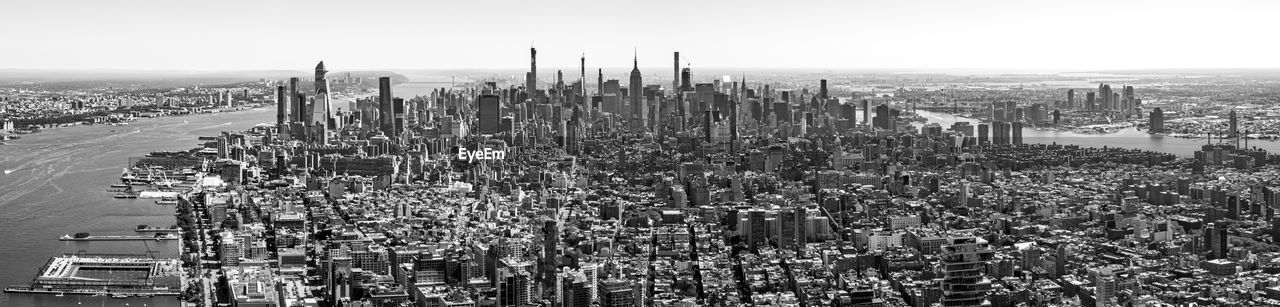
12	136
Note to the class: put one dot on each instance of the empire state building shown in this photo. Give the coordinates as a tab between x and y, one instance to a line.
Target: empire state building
638	108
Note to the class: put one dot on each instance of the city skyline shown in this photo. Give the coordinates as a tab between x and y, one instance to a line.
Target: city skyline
993	35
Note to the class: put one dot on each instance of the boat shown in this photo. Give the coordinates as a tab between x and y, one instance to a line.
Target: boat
122	195
166	202
119	295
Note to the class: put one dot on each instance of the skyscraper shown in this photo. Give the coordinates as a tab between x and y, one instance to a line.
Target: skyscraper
983	129
531	79
1156	121
1071	98
1017	133
1216	239
866	112
386	119
675	77
489	117
684	80
1104	90
1233	128
299	105
582	80
282	112
822	90
636	88
963	261
319	120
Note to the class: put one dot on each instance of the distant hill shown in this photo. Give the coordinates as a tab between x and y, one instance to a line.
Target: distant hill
162	78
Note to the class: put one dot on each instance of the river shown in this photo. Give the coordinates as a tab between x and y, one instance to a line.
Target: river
55	183
1126	138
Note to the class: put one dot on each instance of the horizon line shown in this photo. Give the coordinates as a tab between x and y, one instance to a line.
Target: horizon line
554	68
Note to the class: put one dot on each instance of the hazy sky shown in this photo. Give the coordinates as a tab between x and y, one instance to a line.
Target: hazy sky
351	34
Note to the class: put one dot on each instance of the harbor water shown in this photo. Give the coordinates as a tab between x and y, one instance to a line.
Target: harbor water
56	183
1125	138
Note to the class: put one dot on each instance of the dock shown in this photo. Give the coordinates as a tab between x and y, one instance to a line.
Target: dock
118	238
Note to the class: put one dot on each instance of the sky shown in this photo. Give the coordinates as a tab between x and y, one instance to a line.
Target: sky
496	34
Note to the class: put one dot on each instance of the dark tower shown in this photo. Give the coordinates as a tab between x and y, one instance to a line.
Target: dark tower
531	79
490	114
299	105
684	80
386	116
1157	121
282	111
675	77
822	90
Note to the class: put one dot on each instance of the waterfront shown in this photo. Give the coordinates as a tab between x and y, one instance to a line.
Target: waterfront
1125	138
55	183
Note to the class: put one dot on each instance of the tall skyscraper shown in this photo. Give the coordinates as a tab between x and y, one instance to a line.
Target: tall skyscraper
489	117
1017	133
822	90
963	261
1108	97
531	79
1156	121
320	107
1216	239
636	88
983	129
685	84
386	118
299	107
1071	98
1233	128
282	112
866	112
675	77
884	119
582	80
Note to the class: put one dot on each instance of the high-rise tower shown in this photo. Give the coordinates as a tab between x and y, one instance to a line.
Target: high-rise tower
675	77
282	112
531	79
636	89
822	90
1157	121
319	120
1233	124
386	117
299	105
